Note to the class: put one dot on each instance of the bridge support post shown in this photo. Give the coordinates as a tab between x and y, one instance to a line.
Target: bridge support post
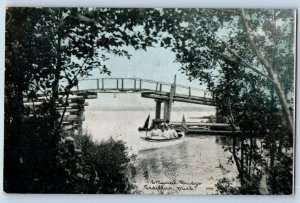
167	110
158	109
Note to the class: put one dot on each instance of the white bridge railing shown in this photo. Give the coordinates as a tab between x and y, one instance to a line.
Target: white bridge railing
137	85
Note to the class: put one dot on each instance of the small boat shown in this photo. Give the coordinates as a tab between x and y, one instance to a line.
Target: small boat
158	142
146	125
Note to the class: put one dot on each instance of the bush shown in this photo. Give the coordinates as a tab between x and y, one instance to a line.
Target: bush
110	162
35	167
224	187
50	161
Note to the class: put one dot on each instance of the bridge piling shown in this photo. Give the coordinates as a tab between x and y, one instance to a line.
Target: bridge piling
158	109
156	91
134	84
140	84
167	110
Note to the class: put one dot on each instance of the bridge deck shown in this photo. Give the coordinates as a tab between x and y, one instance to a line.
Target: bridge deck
88	89
178	97
148	88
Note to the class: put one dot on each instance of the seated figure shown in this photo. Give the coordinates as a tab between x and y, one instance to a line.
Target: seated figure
155	132
167	132
164	132
173	131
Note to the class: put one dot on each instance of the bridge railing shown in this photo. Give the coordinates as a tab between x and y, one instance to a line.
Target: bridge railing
137	84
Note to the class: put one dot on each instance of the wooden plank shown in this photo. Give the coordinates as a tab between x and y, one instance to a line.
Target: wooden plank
78	105
134	84
76	97
67	123
140	84
201	124
86	92
69	110
182	98
91	96
213	132
73	118
68	127
47	98
37	103
145	93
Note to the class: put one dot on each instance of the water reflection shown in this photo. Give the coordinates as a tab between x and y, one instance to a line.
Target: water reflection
197	159
224	140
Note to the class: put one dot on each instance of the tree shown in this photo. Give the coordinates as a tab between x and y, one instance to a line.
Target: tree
205	39
47	51
246	58
273	72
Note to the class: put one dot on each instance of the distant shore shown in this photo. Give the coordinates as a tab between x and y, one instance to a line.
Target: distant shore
201	109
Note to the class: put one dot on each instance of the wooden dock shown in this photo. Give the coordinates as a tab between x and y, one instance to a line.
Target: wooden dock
201	128
202	124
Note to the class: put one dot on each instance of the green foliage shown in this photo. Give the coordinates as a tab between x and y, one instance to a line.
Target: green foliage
213	47
224	187
111	163
281	176
280	170
69	165
264	164
64	44
47	51
36	169
250	162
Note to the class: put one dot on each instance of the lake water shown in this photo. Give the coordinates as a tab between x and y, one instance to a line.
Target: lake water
191	167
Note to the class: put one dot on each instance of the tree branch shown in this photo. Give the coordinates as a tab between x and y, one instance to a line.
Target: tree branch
243	62
251	39
271	72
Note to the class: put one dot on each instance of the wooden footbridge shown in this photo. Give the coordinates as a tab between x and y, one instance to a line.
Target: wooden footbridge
161	92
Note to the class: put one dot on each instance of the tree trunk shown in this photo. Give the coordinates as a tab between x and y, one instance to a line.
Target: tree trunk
272	74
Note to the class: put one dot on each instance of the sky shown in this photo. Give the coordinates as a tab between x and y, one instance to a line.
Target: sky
154	64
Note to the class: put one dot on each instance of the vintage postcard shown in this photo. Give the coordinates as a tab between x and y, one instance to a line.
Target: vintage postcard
149	101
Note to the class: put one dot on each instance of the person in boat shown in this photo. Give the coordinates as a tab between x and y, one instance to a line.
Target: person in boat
169	132
155	132
164	133
173	131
